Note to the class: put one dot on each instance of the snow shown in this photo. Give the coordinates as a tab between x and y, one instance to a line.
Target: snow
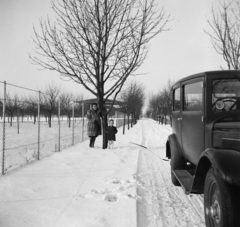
165	204
22	148
92	187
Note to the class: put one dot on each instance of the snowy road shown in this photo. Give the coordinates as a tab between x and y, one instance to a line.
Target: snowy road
85	187
163	205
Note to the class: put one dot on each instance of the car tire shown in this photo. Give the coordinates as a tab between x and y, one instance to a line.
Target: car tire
221	202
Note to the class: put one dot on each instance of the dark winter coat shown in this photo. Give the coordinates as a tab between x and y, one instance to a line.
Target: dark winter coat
94	123
111	131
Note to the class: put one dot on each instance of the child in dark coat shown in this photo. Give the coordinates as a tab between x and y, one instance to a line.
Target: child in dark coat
111	131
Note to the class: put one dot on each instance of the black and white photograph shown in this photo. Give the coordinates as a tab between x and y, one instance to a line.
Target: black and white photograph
120	113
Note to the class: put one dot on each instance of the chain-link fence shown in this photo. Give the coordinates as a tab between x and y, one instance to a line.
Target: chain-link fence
34	124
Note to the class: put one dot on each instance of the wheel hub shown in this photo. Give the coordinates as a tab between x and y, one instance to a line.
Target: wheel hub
214	211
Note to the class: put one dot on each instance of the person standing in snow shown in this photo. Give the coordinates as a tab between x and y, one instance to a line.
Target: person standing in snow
111	132
94	124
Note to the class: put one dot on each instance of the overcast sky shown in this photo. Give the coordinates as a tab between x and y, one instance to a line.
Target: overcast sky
182	51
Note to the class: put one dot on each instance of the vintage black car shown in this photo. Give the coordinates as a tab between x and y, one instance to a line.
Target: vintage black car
204	146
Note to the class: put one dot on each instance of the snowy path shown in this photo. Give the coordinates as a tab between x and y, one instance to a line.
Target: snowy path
78	187
165	205
85	187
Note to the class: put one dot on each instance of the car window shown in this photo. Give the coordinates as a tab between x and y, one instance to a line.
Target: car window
225	95
193	96
176	100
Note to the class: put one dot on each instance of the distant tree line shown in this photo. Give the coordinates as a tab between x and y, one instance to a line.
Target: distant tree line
22	107
132	97
159	107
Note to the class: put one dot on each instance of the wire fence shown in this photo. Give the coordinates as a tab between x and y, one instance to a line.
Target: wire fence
34	125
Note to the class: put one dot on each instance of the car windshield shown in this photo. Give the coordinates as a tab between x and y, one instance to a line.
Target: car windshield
225	95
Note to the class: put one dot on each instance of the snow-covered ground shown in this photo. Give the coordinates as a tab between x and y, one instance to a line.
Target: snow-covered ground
92	187
22	148
164	204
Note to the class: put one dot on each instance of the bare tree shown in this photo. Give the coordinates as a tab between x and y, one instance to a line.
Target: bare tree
133	100
160	104
79	108
225	32
167	99
155	107
67	100
50	101
11	106
32	107
99	43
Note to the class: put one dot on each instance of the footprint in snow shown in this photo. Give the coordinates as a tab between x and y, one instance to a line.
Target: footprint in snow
116	188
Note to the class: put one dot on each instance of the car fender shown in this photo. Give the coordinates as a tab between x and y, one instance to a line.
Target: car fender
172	146
224	161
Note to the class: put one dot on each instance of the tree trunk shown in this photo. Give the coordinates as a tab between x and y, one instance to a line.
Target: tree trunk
49	121
128	121
124	116
104	122
11	118
69	121
104	128
34	121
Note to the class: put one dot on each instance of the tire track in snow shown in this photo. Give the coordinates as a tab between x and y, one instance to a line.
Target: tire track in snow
195	200
170	205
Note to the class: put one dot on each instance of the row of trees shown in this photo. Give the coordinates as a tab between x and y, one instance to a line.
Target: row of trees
132	97
160	104
17	106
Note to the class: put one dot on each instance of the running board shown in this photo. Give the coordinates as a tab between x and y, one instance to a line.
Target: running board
185	179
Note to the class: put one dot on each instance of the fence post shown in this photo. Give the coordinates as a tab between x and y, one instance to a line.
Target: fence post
73	124
3	141
82	121
59	126
39	98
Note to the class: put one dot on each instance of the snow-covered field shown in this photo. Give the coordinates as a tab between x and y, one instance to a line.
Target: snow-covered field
92	187
22	148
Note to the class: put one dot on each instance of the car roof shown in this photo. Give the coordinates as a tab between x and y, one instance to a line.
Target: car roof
206	73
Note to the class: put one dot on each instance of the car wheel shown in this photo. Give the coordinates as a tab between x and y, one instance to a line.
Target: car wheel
221	202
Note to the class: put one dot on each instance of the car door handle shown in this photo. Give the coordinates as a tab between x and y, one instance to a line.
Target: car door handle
179	119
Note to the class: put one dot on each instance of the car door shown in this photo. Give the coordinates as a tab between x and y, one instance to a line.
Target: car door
192	119
176	114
